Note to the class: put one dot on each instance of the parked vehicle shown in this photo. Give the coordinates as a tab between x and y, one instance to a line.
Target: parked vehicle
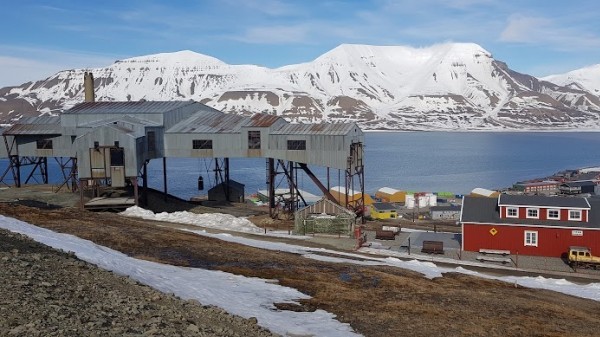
582	257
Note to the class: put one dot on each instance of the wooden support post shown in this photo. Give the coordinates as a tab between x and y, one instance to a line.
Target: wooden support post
145	183
165	177
135	190
81	205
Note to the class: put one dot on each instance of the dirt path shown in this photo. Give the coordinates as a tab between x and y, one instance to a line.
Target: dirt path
376	301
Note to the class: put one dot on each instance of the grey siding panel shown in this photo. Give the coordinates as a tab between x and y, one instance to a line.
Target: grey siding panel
106	136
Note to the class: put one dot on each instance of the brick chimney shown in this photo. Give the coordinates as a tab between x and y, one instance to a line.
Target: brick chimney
88	87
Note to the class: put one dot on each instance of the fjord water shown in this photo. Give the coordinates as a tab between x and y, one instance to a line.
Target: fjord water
460	161
420	161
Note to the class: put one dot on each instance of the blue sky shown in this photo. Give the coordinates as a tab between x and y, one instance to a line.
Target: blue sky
40	38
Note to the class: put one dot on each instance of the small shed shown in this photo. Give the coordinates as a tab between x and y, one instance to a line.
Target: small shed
451	212
236	192
324	216
383	210
386	194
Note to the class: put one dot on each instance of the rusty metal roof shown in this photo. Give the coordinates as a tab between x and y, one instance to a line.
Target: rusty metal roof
263	120
211	121
45	119
139	107
322	128
43	125
214	121
33	129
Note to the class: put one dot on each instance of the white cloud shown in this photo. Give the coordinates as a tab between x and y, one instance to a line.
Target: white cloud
35	64
276	35
15	71
524	29
268	7
543	31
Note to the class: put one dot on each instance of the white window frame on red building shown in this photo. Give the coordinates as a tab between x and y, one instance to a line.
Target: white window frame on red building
571	211
531	239
537	213
508	209
557	217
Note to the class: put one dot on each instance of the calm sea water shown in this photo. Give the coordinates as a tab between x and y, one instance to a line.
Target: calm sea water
423	161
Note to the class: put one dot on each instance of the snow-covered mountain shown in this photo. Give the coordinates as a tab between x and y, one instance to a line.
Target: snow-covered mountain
454	86
587	78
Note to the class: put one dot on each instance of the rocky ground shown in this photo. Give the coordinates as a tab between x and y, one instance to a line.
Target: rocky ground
45	292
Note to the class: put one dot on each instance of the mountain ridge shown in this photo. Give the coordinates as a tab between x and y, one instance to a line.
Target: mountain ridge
449	86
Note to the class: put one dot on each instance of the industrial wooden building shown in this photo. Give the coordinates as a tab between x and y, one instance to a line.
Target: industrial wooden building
530	225
111	143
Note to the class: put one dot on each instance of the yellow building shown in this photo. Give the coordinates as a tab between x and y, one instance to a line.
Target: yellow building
339	193
383	210
386	194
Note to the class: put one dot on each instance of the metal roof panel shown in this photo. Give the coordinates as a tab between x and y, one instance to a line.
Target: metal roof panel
126	118
263	120
542	201
321	128
212	121
138	107
33	129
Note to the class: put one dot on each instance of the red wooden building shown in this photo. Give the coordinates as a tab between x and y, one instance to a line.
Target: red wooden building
530	225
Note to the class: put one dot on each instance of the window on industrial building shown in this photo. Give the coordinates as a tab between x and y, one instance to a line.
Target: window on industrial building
531	238
44	144
532	213
202	144
512	212
117	156
574	215
554	214
253	140
296	145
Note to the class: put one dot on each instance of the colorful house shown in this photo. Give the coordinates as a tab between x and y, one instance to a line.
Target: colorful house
339	193
383	210
530	225
386	194
546	186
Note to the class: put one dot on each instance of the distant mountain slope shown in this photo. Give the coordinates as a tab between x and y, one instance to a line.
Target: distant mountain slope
454	86
587	78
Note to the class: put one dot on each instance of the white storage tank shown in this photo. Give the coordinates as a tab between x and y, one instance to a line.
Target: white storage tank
432	199
410	201
423	200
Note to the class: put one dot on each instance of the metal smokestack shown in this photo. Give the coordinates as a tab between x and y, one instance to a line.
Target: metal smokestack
88	87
